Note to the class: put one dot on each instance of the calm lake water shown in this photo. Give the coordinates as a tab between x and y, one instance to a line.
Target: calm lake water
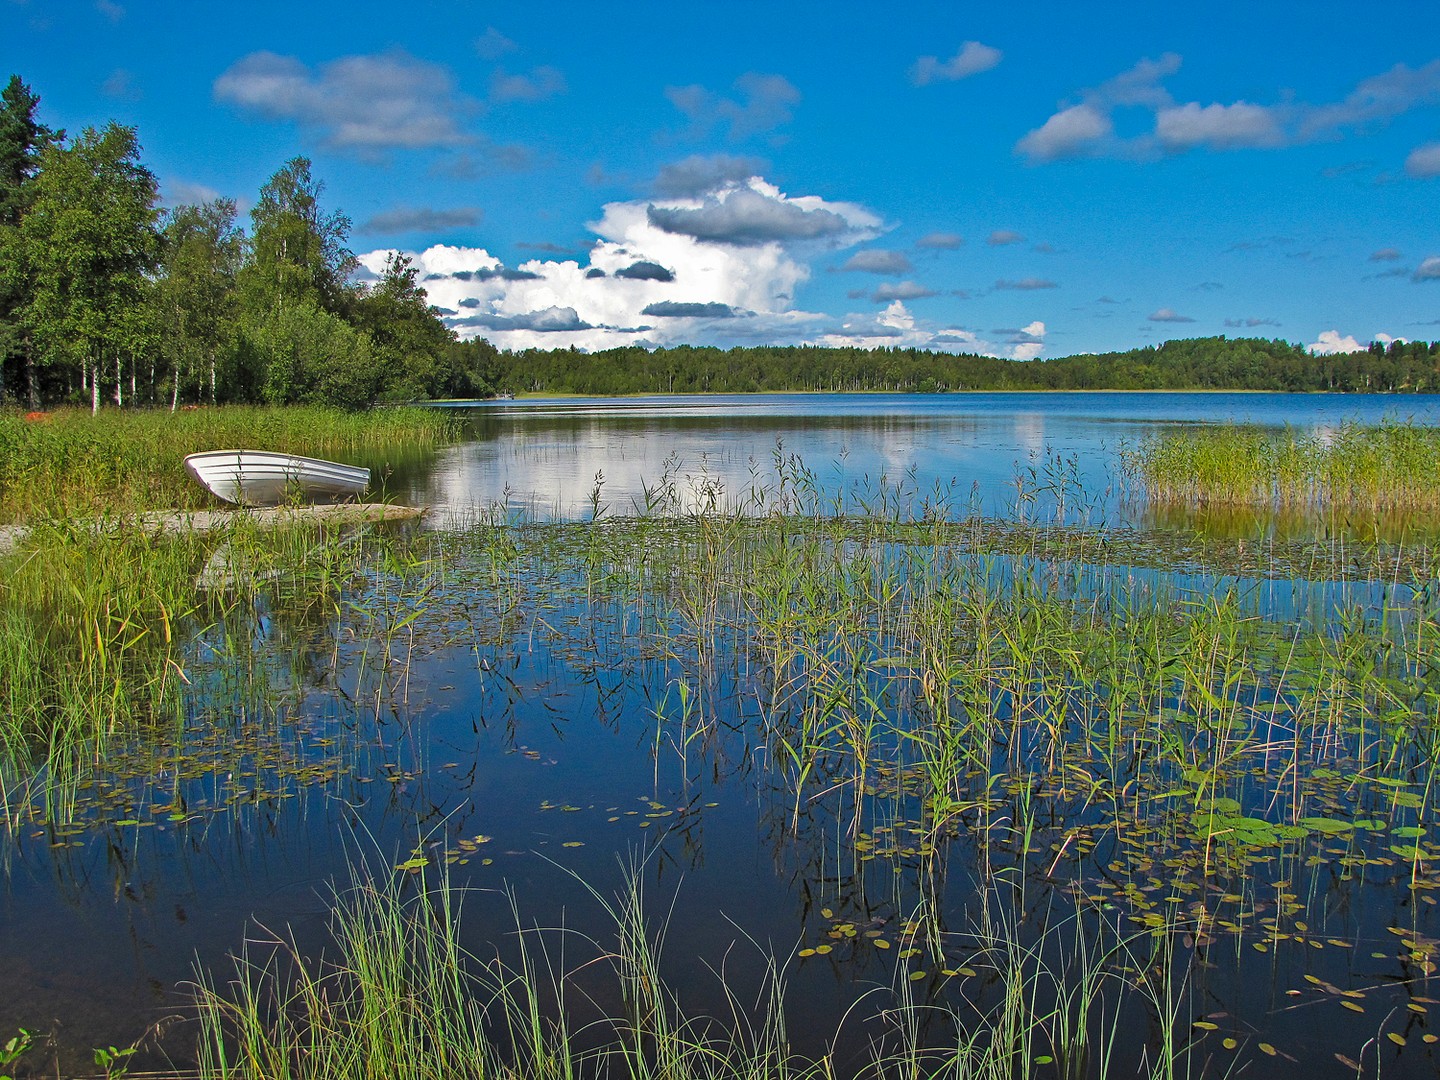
535	737
546	456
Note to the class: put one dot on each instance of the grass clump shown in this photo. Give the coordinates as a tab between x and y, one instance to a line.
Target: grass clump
399	996
1388	466
99	625
119	461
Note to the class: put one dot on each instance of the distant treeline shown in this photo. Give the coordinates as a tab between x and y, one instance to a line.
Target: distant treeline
1215	363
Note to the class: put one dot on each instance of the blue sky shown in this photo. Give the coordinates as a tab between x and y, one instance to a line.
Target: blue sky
1022	179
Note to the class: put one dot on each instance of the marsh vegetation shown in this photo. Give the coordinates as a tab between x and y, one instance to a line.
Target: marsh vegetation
949	794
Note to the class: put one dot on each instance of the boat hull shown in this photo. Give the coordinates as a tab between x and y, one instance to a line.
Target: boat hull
261	478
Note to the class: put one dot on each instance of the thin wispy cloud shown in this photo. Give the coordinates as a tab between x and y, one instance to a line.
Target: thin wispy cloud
879	261
901	290
1424	161
120	85
1087	128
1029	284
971	59
701	173
377	102
404	219
762	104
492	44
539	84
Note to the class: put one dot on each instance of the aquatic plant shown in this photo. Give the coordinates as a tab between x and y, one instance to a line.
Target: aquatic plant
1375	467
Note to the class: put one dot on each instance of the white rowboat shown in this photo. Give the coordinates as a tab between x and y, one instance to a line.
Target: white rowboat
260	478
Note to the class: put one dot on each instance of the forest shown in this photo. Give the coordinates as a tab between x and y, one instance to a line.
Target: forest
1215	363
108	297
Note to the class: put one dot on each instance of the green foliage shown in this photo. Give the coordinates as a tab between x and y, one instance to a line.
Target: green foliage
98	289
1216	363
89	237
411	343
297	251
196	295
312	357
14	1048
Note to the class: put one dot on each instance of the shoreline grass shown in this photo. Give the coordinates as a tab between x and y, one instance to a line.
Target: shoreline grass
68	462
1379	467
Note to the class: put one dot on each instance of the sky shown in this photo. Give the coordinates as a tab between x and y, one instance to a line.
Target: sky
1019	180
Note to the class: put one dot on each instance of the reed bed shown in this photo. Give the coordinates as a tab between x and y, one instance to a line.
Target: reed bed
1229	762
1382	467
399	996
108	635
68	462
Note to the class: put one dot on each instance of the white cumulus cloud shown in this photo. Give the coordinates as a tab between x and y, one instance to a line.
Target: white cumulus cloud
726	264
1331	342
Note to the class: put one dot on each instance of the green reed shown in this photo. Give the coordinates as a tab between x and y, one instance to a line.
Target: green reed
102	627
396	994
121	461
998	679
1380	467
938	689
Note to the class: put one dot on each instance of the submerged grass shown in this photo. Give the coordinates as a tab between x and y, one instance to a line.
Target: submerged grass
1389	466
69	462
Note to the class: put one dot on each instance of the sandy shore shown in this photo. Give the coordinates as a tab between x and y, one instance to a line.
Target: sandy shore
166	522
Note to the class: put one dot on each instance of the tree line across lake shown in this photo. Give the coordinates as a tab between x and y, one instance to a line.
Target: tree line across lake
106	296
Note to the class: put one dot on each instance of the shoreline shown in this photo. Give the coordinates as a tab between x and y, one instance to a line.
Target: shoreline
157	523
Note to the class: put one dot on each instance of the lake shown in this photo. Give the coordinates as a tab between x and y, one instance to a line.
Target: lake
544	456
942	758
